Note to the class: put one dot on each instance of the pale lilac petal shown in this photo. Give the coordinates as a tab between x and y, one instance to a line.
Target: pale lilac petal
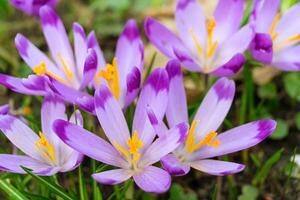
261	48
228	16
153	179
20	135
173	166
4	109
32	7
57	40
76	118
155	95
158	125
190	20
93	44
214	107
232	67
287	59
239	138
112	177
263	14
87	143
90	67
162	38
187	61
80	48
133	84
72	161
34	57
217	168
177	104
129	54
111	117
165	144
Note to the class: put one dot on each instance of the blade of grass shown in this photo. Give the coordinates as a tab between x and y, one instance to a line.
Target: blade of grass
11	191
50	186
149	68
82	184
96	190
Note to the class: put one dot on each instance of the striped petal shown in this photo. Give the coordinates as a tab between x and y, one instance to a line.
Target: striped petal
112	177
173	166
90	67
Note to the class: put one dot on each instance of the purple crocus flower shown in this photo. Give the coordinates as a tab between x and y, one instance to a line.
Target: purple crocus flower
203	142
32	7
134	154
211	46
46	154
277	35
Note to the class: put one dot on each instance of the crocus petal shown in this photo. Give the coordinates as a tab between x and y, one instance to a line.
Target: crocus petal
133	85
162	37
4	109
129	54
72	161
32	7
217	168
20	135
232	67
111	117
153	179
13	163
287	59
165	144
93	44
214	107
76	118
263	14
158	125
80	47
228	16
190	21
177	104
261	48
33	56
112	177
90	67
57	39
186	59
155	95
173	166
87	143
238	138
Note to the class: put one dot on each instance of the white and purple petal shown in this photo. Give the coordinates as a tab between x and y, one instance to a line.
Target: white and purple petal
133	83
175	168
112	177
261	48
90	67
232	67
32	7
287	59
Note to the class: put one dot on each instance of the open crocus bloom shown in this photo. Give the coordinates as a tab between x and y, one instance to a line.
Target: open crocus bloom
32	7
45	153
202	141
212	46
133	153
276	40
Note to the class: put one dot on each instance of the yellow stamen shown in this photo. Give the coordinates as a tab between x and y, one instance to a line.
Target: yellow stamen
46	149
66	69
211	46
192	146
41	69
292	39
197	43
121	149
272	32
111	75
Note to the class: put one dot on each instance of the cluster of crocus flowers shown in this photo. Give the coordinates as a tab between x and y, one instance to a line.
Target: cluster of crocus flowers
276	39
213	45
45	153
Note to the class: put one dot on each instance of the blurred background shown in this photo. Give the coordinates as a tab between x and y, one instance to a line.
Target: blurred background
271	171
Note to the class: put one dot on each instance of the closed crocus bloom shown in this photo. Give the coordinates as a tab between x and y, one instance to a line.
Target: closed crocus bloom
133	154
213	45
203	142
44	153
32	7
277	35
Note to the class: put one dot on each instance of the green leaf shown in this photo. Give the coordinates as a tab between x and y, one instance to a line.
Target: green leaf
297	120
178	193
82	185
50	185
249	192
11	191
268	91
286	4
292	85
281	131
263	172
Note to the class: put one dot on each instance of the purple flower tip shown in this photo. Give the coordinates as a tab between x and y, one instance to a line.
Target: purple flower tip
131	31
133	80
224	88
91	60
101	96
48	16
261	48
6	122
183	130
58	127
265	128
173	68
22	44
238	169
86	103
92	40
182	4
4	109
147	23
232	66
35	82
78	29
151	116
158	80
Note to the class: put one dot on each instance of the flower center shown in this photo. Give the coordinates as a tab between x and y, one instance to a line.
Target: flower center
208	140
274	35
111	75
132	152
211	45
45	148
